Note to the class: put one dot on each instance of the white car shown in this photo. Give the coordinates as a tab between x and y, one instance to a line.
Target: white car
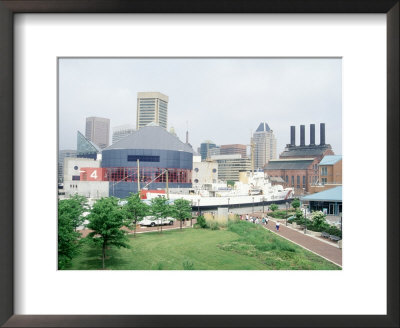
151	221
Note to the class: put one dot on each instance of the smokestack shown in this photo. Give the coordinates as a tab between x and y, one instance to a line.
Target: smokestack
322	134
302	135
293	135
312	134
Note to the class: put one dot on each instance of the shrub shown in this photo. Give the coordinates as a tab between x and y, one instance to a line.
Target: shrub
296	203
318	219
201	222
334	231
273	207
214	225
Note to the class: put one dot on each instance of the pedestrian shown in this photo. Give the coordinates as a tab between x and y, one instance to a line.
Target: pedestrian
266	220
263	220
247	217
277	226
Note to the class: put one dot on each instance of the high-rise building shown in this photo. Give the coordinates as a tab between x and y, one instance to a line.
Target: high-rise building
151	107
233	149
205	147
264	145
121	131
230	166
98	131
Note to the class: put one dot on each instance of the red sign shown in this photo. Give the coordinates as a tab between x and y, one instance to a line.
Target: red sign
93	174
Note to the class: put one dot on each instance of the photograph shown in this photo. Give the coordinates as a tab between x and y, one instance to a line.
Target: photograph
199	163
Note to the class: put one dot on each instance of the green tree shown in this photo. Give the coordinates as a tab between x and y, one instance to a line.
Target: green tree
69	218
106	220
135	210
318	219
296	203
182	210
273	207
160	208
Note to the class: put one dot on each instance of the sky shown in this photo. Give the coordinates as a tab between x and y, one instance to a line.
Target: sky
218	99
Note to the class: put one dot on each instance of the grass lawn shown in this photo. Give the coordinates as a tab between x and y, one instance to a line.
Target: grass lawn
243	246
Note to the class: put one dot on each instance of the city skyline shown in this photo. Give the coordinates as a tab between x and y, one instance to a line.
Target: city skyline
222	100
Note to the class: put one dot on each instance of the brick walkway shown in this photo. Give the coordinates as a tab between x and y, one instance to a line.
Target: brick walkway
330	252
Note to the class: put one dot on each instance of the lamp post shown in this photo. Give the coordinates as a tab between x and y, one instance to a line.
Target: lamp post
198	207
228	204
263	205
287	206
305	218
253	206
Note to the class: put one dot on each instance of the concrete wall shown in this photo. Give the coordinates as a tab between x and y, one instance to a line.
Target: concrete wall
72	166
203	173
93	189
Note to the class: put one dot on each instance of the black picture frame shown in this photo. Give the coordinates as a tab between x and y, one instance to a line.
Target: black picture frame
10	7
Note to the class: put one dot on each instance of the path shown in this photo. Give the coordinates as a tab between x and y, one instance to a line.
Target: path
330	252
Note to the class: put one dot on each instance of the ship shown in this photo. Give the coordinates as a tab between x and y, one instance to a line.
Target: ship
254	189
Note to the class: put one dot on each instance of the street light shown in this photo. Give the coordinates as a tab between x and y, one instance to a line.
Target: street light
253	207
263	205
287	206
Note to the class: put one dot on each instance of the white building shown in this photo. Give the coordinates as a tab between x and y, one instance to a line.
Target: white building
151	107
264	145
121	131
204	173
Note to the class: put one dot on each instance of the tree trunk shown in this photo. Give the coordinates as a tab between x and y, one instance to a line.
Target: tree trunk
181	223
134	230
104	255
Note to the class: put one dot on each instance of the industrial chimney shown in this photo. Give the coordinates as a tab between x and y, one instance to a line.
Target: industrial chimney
293	136
312	134
302	135
322	134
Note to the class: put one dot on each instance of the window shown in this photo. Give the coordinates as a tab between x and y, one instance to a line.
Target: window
304	181
298	181
196	169
196	180
76	177
214	170
324	171
75	167
287	179
292	180
324	181
143	158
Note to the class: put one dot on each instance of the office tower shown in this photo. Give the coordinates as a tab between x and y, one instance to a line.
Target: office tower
151	107
233	149
121	131
264	145
98	131
205	147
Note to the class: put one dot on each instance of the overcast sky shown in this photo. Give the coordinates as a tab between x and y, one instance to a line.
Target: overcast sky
222	100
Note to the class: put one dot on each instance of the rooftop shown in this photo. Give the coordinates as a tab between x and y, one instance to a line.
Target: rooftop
151	137
287	164
330	159
330	195
263	127
311	151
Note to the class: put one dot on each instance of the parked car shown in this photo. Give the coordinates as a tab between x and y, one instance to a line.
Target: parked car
151	221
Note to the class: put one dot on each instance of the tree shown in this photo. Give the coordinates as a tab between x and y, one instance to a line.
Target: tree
296	203
69	218
182	210
318	219
273	207
135	210
106	220
160	209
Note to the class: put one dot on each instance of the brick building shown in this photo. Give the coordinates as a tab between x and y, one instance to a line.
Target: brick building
329	173
233	149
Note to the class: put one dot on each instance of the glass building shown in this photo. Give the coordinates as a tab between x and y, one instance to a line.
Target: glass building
85	148
205	147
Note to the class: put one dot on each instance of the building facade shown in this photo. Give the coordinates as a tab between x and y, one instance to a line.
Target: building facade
152	107
142	160
121	131
299	173
98	131
230	166
205	147
204	173
62	154
264	143
233	149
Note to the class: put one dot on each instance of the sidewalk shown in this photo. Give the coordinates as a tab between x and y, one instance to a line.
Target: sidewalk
328	251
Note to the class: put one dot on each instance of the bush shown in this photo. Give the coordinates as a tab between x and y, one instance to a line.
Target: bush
201	222
334	231
273	207
214	225
296	203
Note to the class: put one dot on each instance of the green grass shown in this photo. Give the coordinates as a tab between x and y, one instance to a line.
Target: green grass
243	246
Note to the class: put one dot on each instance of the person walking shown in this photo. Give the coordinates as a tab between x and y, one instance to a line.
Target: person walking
247	217
277	226
266	220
